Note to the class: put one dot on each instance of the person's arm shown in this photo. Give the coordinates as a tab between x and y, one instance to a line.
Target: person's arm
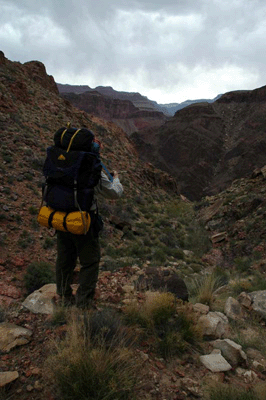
108	189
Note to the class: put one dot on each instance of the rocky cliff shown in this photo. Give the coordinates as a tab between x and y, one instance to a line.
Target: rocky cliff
206	146
122	112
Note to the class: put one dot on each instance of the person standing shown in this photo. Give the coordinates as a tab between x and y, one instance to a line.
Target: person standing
86	248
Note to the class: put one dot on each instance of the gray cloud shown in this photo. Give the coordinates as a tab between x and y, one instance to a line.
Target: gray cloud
166	49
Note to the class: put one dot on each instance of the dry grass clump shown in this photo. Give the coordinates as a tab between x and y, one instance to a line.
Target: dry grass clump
157	309
168	323
203	287
231	392
87	366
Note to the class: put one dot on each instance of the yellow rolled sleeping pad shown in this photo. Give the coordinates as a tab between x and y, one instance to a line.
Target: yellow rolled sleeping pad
77	222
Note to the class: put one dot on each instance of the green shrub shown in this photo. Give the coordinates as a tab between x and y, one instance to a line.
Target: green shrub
242	264
33	210
25	239
38	274
49	243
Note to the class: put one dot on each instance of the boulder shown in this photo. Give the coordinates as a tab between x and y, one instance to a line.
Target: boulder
12	335
231	351
259	302
214	325
245	300
232	309
162	279
41	300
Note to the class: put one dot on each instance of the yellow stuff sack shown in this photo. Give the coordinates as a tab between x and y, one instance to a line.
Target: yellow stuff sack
77	222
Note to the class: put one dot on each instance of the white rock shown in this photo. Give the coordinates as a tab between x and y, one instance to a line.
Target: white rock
215	363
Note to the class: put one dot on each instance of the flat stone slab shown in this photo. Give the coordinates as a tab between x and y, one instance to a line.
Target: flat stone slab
12	335
215	363
8	377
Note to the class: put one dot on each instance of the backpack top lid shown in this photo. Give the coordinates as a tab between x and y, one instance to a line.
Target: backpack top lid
78	139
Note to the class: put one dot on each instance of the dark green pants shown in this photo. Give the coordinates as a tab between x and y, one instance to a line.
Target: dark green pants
87	249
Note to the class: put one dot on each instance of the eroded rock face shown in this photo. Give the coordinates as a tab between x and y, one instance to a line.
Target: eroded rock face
37	71
2	58
121	111
204	145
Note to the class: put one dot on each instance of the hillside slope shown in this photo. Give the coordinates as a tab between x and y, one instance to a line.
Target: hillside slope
152	238
31	110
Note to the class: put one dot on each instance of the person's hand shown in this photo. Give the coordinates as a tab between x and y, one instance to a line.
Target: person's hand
115	174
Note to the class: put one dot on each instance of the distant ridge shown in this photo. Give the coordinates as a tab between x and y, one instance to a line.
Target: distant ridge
172	108
139	101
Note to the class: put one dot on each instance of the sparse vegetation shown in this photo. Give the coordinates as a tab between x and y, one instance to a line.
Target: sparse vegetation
83	368
227	392
25	239
202	288
170	323
37	275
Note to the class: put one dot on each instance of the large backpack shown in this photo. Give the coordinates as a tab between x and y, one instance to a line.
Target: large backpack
72	169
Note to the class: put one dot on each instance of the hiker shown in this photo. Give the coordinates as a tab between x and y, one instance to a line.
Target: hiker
74	176
86	248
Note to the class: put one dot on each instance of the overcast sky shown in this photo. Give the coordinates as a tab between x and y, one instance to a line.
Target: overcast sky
168	50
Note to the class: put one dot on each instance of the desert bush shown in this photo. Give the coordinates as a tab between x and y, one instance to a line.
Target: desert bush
83	369
242	264
172	326
197	239
180	333
38	274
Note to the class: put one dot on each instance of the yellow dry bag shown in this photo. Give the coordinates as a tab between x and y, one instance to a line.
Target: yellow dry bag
77	222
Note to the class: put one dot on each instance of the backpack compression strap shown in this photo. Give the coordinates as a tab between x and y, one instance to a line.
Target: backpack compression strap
71	141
